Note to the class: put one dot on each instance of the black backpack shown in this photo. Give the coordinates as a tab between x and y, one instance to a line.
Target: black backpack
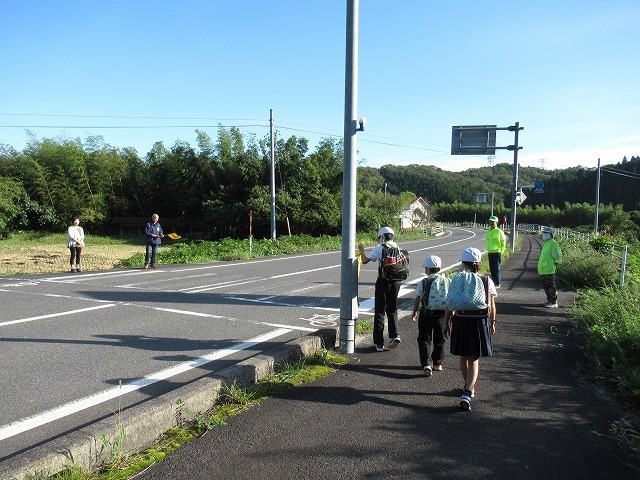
394	265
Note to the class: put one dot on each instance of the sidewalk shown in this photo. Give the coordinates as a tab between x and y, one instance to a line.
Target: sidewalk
538	411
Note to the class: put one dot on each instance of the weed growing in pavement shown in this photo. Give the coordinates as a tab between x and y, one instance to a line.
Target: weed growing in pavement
363	327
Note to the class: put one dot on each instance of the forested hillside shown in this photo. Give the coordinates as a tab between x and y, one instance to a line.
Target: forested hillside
218	181
572	185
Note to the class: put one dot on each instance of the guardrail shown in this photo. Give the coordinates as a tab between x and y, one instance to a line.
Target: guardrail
433	229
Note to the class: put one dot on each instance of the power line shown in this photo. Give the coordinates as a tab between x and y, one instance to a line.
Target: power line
618	172
129	117
130	126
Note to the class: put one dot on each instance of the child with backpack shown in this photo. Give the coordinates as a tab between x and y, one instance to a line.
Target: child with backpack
428	308
393	267
470	320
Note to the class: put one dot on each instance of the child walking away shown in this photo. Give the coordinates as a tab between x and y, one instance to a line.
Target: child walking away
393	267
428	308
470	320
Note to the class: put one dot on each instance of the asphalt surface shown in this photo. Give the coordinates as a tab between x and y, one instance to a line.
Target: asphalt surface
539	412
78	347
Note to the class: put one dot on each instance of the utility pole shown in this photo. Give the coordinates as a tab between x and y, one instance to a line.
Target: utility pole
349	264
595	221
273	177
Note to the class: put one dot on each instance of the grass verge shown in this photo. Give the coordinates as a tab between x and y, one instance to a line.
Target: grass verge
233	400
36	252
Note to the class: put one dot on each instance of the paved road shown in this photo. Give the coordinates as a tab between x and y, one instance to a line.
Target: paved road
538	412
77	348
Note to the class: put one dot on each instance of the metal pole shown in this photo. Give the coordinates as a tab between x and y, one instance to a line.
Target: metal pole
250	232
349	265
623	268
595	221
273	177
514	189
492	195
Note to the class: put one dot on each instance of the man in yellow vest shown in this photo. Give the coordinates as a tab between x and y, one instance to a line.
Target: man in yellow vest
496	246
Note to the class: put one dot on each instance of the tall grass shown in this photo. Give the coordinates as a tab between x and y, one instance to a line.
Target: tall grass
610	318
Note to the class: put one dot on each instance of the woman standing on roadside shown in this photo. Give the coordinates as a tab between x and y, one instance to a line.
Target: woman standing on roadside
76	243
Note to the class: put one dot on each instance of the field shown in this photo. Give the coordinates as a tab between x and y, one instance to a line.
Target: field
46	253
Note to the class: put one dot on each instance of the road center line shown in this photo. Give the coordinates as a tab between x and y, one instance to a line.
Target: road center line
20	426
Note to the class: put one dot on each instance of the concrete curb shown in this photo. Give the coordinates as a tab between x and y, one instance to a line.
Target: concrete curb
140	426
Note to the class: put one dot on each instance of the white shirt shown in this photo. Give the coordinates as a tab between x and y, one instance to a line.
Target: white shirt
76	235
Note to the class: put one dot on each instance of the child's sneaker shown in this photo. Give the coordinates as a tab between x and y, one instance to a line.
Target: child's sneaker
427	371
437	367
379	348
551	304
394	343
465	400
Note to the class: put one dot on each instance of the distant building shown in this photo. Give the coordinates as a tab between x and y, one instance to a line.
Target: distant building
416	215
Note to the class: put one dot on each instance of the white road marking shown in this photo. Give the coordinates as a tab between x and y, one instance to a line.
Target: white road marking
291	327
25	424
195	314
302	272
52	315
218	284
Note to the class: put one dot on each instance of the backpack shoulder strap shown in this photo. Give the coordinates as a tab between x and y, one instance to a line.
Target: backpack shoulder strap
485	283
426	289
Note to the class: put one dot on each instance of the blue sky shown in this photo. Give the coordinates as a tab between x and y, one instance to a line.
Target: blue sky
568	71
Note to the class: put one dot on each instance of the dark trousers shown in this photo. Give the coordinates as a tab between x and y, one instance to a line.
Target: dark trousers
494	266
430	339
75	255
152	251
549	285
386	301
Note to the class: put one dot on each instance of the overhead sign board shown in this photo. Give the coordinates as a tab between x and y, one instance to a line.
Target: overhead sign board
473	140
481	198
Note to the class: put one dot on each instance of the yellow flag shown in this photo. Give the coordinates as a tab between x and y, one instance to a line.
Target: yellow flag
174	236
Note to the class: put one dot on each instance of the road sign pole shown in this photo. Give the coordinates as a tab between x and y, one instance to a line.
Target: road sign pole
514	189
595	220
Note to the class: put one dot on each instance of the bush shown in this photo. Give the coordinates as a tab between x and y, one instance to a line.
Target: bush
610	318
583	267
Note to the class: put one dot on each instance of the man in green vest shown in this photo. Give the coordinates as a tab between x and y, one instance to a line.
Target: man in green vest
550	258
496	246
